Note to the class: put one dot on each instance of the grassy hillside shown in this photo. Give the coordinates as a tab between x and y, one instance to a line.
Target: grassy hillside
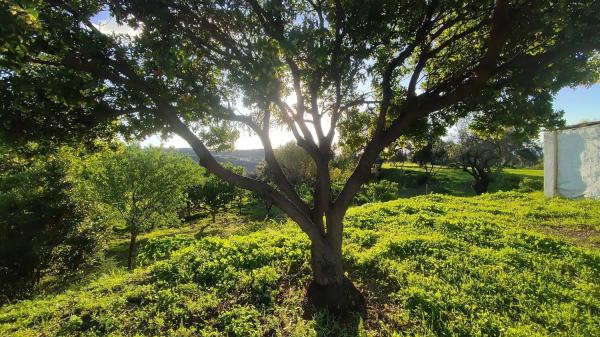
501	264
453	181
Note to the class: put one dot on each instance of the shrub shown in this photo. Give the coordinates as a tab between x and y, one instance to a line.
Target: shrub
382	190
45	230
240	322
155	249
530	185
507	182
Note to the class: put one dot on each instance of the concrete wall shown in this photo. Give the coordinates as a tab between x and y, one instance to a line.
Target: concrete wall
572	162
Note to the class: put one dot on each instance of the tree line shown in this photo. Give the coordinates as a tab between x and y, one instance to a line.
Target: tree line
480	155
59	208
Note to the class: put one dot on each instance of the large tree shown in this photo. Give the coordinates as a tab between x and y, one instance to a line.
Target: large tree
200	68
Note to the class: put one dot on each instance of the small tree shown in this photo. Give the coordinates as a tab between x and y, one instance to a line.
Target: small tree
433	153
296	163
143	188
521	150
479	157
213	194
400	157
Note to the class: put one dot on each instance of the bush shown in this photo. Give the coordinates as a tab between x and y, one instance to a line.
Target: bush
156	249
507	182
531	184
382	190
45	230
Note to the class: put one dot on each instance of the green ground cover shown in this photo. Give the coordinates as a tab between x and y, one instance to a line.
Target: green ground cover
503	264
453	181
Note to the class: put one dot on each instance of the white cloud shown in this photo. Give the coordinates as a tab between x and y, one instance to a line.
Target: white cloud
111	26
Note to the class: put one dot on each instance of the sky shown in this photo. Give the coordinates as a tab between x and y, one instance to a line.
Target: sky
581	104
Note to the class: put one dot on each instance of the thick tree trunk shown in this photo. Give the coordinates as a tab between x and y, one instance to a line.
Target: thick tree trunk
330	289
132	250
480	185
214	216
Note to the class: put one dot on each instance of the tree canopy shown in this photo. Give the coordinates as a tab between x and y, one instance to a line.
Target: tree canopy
46	229
142	188
213	194
297	165
201	68
478	156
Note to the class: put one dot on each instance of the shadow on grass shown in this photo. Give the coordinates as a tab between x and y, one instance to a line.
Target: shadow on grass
349	325
257	211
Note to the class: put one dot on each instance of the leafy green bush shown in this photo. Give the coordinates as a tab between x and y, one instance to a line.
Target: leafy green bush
46	232
155	249
212	194
382	190
531	184
240	322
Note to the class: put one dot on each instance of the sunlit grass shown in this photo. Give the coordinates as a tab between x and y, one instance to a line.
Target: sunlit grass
452	181
507	263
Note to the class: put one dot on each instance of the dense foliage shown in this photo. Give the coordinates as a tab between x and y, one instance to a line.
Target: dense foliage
141	188
504	264
305	65
484	155
212	194
296	164
478	156
46	230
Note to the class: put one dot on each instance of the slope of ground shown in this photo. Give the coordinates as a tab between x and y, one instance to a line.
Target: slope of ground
499	264
454	181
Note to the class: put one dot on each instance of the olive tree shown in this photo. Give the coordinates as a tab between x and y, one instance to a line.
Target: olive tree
201	68
479	156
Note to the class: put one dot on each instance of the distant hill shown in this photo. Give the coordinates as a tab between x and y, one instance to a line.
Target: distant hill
246	158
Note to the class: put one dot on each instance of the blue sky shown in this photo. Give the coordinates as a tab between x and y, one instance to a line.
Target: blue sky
580	104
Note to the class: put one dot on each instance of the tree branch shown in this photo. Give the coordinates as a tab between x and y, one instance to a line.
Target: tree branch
279	177
422	105
386	81
261	188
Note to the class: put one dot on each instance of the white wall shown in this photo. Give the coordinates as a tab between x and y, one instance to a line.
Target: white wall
572	162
